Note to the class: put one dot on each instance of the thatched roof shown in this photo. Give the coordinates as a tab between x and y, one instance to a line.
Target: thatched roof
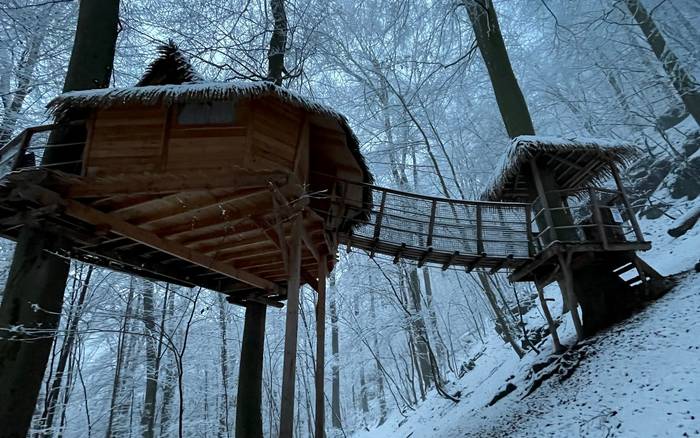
576	163
170	67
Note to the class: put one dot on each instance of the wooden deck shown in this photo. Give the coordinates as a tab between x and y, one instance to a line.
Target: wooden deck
222	231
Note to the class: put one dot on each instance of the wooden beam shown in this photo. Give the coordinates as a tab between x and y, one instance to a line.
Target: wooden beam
399	253
320	348
548	316
290	334
450	261
118	226
158	183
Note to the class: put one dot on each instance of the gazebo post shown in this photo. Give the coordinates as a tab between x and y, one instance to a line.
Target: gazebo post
321	347
630	211
542	194
290	333
248	414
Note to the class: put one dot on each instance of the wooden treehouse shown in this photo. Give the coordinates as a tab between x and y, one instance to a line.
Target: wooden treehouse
248	189
195	184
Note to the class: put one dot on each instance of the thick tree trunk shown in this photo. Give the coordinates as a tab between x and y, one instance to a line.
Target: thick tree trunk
29	316
248	407
37	277
509	96
681	78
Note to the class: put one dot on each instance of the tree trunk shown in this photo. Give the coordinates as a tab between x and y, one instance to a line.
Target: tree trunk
66	350
681	78
248	407
24	76
509	96
149	401
422	341
278	43
38	278
500	318
335	351
169	377
223	359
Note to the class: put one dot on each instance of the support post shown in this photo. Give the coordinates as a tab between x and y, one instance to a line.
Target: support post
248	411
550	321
542	194
565	263
598	218
290	333
321	348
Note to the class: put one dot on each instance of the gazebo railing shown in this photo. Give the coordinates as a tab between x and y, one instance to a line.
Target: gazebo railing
588	215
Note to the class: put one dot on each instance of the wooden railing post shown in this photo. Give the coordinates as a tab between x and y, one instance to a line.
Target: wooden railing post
630	211
26	141
597	217
479	231
431	224
528	229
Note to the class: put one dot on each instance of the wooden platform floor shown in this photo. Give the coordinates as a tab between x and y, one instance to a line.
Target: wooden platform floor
223	231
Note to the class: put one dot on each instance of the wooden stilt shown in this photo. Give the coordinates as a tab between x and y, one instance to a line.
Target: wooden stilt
321	348
548	316
564	262
290	333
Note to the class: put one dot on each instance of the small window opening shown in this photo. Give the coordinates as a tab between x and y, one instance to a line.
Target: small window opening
208	113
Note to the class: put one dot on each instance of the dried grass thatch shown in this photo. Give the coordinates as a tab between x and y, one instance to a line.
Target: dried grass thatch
593	155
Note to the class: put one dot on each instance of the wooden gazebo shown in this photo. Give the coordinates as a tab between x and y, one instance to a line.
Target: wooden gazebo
585	233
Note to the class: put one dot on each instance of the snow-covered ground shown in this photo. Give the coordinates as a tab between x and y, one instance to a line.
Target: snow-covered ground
641	378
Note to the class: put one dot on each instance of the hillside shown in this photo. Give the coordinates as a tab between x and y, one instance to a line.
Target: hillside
640	378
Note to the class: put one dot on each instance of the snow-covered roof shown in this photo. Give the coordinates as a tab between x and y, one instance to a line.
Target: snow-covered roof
581	160
189	92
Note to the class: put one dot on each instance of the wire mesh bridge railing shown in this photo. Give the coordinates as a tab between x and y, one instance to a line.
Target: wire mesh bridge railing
447	232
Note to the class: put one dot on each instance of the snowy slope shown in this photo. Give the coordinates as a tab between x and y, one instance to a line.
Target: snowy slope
639	379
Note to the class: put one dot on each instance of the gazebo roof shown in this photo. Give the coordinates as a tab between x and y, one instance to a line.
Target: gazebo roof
576	163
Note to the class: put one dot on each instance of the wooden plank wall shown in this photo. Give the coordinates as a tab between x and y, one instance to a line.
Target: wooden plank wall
125	139
208	147
275	135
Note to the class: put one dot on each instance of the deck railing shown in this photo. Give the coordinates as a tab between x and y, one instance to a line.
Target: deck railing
27	150
589	215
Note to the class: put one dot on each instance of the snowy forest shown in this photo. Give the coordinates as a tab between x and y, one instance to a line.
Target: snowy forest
411	349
